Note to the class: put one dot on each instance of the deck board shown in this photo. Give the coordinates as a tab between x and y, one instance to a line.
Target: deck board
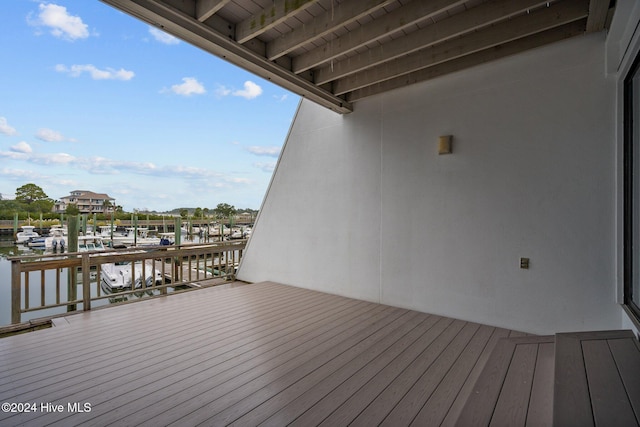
427	384
260	353
452	416
514	386
541	403
629	367
385	402
597	379
608	397
512	406
292	402
442	400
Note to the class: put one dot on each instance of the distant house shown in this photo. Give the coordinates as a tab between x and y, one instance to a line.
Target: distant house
87	202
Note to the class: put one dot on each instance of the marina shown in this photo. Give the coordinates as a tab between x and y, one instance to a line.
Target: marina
48	283
9	228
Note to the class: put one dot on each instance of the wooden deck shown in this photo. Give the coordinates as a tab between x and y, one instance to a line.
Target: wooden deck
273	355
264	354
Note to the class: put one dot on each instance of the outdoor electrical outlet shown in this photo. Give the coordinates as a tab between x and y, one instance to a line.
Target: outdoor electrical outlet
524	263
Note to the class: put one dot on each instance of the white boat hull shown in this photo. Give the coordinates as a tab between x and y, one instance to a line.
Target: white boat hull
119	277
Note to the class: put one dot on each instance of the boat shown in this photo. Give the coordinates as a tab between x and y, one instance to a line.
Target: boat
130	238
187	228
216	230
117	277
36	242
90	243
22	237
167	239
108	232
57	239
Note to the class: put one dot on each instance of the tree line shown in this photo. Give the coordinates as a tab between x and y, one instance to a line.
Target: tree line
31	200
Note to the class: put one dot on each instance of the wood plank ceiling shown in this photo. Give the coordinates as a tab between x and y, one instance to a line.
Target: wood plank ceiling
336	52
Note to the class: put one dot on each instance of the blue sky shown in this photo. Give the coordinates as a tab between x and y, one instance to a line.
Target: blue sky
94	99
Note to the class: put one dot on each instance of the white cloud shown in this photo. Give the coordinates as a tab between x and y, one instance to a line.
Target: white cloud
223	91
264	151
250	91
163	37
96	73
61	23
57	159
15	155
107	166
265	166
21	147
49	135
281	98
5	128
16	173
190	86
238	180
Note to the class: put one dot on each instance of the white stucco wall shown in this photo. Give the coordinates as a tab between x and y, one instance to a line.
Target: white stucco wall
362	205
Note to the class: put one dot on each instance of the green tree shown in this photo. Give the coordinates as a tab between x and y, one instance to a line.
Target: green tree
224	210
197	213
30	193
184	212
72	209
43	206
33	198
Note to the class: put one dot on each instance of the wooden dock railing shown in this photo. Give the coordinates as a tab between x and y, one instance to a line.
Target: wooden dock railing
54	280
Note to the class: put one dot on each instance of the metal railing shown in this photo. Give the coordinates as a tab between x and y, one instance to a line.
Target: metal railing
53	280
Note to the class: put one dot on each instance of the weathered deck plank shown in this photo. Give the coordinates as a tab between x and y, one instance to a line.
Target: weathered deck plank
263	353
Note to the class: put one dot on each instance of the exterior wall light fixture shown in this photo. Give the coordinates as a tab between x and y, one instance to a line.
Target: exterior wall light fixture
444	144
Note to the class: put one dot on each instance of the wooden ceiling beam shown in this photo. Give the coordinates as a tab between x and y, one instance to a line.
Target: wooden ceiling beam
403	17
340	15
531	42
207	8
522	26
269	17
478	17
